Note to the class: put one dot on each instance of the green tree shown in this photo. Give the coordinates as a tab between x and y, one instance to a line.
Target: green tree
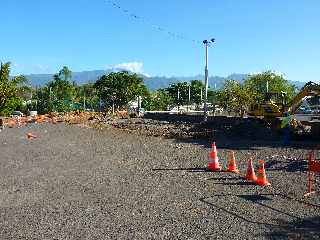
42	98
9	90
58	95
179	92
213	97
257	85
197	92
158	100
239	97
87	96
235	97
65	73
120	88
61	94
197	87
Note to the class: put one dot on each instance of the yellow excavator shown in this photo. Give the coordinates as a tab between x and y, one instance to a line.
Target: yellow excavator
275	105
310	89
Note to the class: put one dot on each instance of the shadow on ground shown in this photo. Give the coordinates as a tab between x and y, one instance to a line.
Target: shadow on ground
196	169
307	228
297	228
272	165
254	198
300	165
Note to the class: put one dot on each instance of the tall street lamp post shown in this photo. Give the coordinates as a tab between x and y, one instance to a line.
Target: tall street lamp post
206	43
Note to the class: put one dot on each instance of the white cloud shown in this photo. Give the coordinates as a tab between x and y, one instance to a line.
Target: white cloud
136	67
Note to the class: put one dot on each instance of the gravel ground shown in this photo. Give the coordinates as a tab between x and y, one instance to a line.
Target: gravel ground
78	183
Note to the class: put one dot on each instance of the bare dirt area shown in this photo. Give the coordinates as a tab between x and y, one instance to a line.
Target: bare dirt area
125	179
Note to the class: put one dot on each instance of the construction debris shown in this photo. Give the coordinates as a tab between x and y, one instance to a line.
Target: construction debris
173	127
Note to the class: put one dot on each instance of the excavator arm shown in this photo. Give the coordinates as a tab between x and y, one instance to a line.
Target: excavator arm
310	88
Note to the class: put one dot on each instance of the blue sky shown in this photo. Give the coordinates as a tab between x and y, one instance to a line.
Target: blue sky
40	36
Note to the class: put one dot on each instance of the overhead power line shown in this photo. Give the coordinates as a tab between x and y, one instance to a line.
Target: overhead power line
154	26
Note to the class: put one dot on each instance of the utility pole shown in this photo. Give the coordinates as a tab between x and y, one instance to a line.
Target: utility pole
84	99
178	100
139	105
205	107
189	96
50	99
113	98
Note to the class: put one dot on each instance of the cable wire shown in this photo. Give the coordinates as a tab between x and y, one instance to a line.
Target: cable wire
154	26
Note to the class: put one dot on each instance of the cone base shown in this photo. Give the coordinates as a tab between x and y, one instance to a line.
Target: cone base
233	170
309	193
263	183
214	167
251	178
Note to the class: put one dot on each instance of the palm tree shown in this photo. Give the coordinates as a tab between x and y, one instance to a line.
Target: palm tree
66	73
10	89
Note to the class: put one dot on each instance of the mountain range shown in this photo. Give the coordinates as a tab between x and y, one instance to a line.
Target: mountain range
153	83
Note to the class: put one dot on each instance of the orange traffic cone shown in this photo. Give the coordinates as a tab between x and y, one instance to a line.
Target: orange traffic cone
31	136
232	164
262	178
250	176
214	164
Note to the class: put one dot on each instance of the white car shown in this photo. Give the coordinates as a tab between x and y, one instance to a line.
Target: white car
17	114
175	110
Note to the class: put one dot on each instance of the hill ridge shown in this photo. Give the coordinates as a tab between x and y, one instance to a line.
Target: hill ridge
152	82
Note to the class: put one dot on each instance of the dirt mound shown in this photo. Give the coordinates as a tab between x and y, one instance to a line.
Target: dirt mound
233	127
